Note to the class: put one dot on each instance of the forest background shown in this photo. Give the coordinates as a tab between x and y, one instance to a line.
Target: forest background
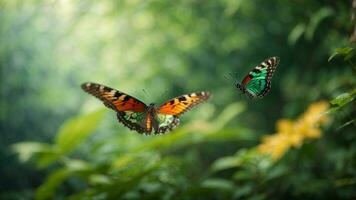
298	142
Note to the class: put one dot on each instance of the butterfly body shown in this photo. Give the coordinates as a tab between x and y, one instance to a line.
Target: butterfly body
258	82
143	118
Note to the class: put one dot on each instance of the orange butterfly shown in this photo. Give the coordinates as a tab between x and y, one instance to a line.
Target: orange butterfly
137	116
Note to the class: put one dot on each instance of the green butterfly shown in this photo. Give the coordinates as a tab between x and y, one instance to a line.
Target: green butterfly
258	82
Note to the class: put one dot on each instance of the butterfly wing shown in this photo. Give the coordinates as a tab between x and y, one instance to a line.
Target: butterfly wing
167	123
132	120
169	111
181	104
258	82
114	99
130	111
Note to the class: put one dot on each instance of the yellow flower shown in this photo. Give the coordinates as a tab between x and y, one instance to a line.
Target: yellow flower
293	133
284	126
272	145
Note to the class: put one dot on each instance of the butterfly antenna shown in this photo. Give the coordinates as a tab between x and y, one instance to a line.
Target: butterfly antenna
230	76
234	77
227	78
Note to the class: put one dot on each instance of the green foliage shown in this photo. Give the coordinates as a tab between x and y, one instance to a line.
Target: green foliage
346	52
73	132
46	190
47	49
137	167
343	99
309	29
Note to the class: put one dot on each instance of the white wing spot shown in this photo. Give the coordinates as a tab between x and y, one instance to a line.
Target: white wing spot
122	97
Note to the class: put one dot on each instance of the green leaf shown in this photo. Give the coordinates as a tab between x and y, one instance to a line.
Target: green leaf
347	123
296	33
238	159
76	130
218	183
48	188
315	20
225	163
346	52
276	172
242	157
43	153
124	185
44	159
99	179
243	190
342	100
77	165
27	150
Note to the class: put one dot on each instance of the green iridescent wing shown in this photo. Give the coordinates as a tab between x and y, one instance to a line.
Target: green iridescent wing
258	82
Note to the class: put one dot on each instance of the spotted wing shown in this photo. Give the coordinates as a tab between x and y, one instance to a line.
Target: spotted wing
114	99
167	123
132	120
181	104
258	82
130	111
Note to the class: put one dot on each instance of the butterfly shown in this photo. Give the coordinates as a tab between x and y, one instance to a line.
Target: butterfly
257	83
137	116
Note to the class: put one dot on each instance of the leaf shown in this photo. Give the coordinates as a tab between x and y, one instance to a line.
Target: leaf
76	130
225	163
43	153
99	179
56	178
48	188
243	175
77	165
218	183
296	33
122	186
346	124
27	150
243	190
238	159
44	159
276	172
315	20
346	52
341	100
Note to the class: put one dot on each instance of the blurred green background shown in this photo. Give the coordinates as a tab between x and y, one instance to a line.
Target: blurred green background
59	143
